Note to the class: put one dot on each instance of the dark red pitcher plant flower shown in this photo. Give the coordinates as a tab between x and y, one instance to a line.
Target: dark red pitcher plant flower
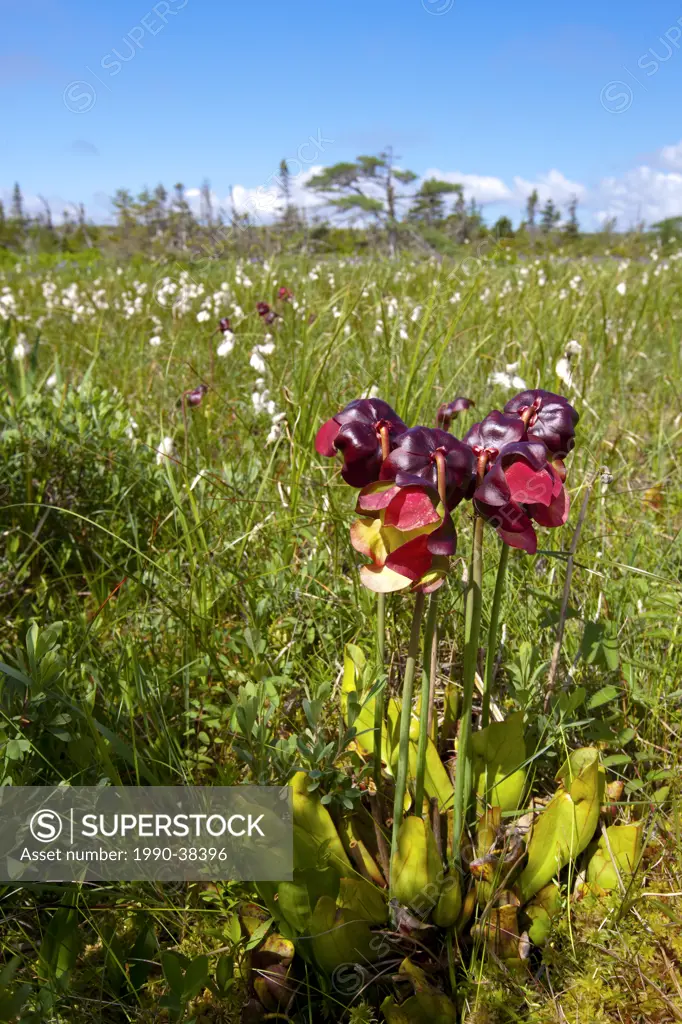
407	532
364	432
548	418
517	484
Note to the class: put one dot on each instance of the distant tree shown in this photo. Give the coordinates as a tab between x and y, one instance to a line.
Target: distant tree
17	207
181	216
531	209
160	212
503	228
571	226
289	219
48	212
125	210
206	204
366	186
428	206
669	229
550	216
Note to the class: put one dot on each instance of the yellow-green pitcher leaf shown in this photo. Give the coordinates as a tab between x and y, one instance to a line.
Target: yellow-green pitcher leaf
449	907
333	939
423	1008
362	901
499	753
566	826
416	866
615	856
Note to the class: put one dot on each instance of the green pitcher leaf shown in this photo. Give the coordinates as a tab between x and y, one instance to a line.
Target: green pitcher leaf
362	901
333	939
416	866
542	910
449	906
566	826
499	752
423	1008
615	856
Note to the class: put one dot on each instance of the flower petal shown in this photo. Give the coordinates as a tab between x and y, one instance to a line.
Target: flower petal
411	509
555	514
382	580
376	496
527	484
526	541
367	538
325	437
412	559
444	540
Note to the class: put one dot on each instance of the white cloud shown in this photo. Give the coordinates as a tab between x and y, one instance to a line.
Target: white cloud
553	185
671	156
263	203
641	194
482	188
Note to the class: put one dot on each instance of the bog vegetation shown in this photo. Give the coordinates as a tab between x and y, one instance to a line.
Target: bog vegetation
183	603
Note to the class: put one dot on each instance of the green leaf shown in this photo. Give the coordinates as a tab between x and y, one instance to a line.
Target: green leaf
336	940
416	866
499	754
362	901
615	856
603	696
567	824
62	942
422	1008
173	972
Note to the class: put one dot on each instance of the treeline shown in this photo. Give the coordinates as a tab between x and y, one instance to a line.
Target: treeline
364	205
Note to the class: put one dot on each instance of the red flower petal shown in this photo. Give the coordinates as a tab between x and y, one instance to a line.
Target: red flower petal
376	496
325	437
526	541
557	512
411	509
527	484
412	559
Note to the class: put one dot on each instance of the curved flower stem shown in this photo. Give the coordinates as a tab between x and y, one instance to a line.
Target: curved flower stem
379	697
492	633
381	649
428	667
472	626
405	719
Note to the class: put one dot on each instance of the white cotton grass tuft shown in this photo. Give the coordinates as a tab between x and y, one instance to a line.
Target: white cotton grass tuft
166	450
564	367
563	372
621	288
155	341
226	345
21	349
507	379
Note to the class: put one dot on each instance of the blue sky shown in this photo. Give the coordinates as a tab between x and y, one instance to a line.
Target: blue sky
577	98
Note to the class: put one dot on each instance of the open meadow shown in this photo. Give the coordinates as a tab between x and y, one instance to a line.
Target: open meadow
177	586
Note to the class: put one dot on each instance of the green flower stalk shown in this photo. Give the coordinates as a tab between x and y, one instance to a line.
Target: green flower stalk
406	715
472	628
492	633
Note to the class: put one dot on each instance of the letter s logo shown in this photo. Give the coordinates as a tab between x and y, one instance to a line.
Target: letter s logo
46	826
